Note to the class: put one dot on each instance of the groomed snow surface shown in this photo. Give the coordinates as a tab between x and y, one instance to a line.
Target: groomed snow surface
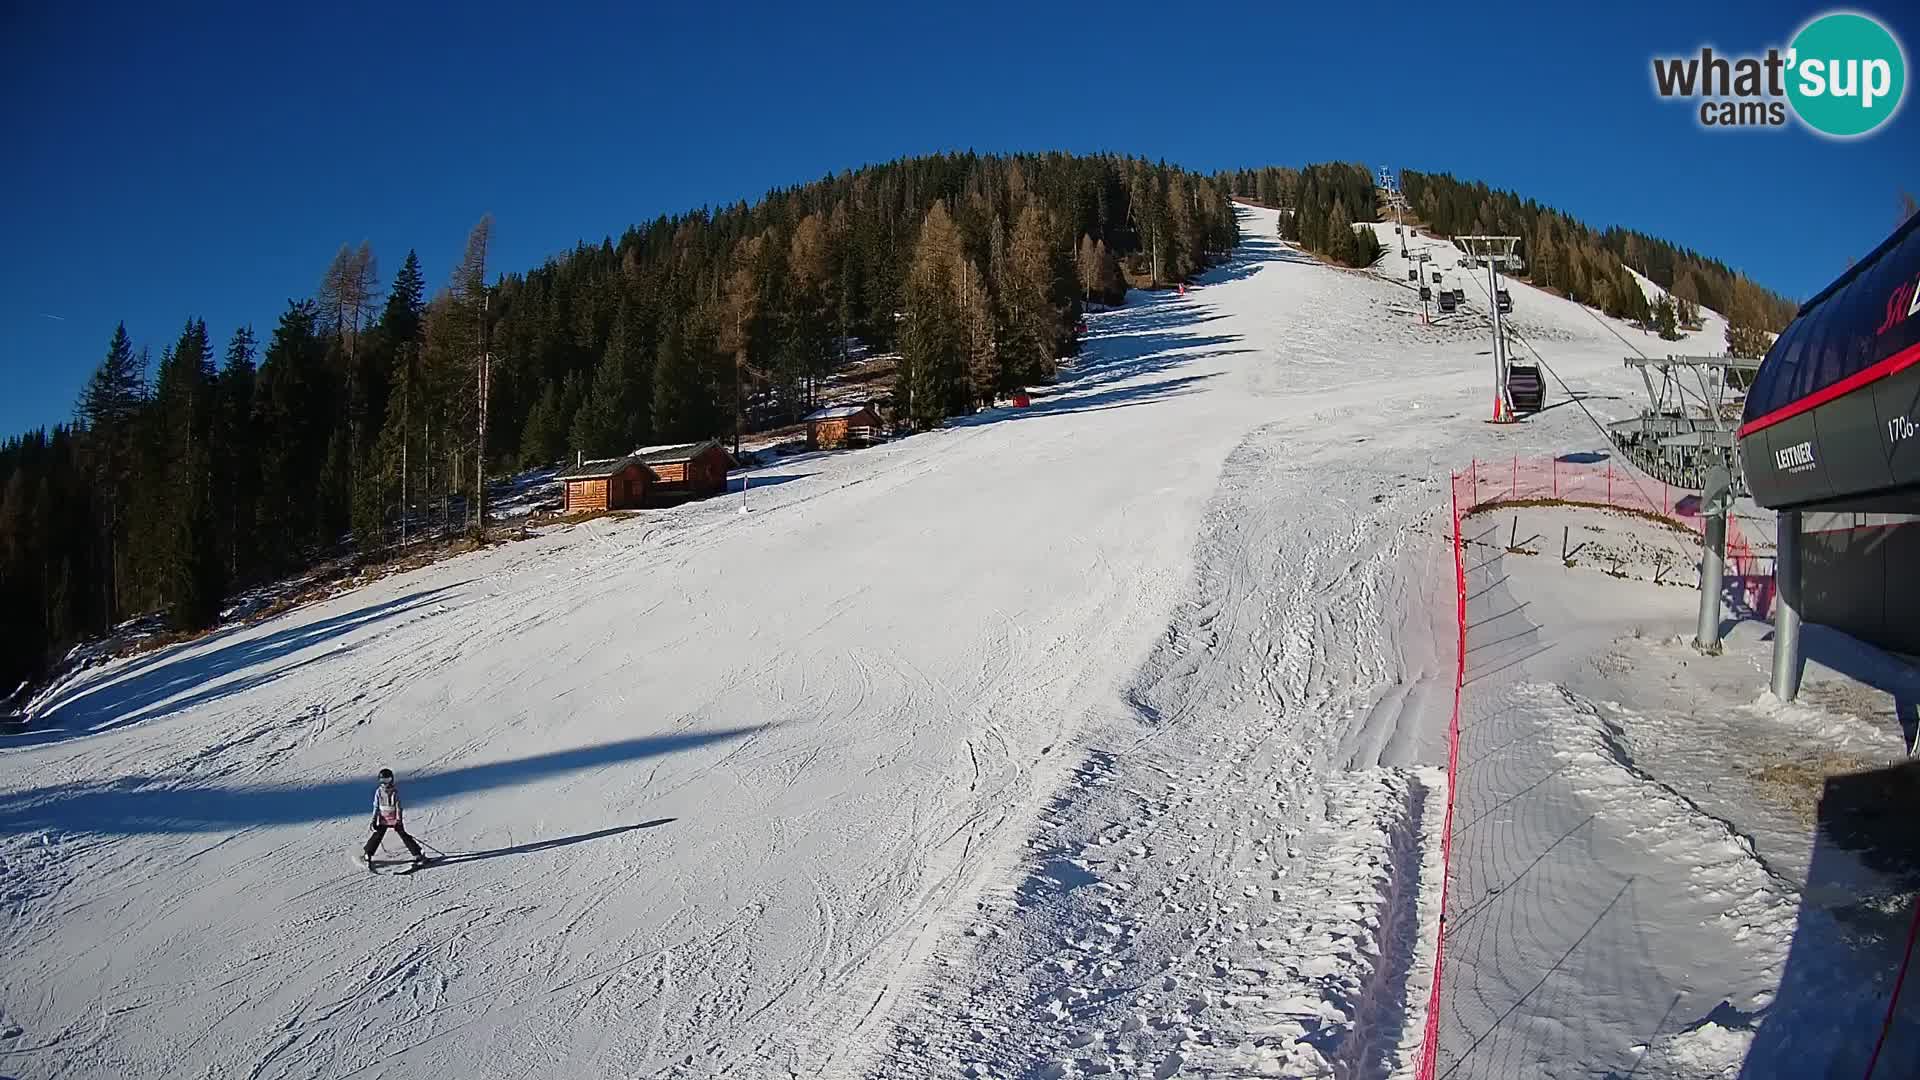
1101	736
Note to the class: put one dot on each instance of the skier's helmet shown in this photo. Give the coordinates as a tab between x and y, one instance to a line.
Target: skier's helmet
386	775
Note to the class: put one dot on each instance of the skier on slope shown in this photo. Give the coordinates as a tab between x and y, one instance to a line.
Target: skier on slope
386	815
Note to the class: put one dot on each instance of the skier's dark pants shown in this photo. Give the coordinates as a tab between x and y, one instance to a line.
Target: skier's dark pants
373	842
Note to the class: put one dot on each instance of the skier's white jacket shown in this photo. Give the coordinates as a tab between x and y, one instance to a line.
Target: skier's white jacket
386	804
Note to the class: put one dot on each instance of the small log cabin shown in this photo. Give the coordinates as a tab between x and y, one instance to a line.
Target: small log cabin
650	476
842	425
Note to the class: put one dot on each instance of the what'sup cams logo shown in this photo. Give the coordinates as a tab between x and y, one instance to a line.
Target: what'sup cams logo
1843	75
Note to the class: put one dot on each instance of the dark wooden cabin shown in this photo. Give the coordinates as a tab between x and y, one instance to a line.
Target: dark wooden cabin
606	484
649	476
842	425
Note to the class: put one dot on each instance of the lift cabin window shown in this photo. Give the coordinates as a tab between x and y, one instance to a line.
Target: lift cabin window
1773	388
1847	332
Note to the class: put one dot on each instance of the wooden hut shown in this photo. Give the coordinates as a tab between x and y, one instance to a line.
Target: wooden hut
649	476
842	425
604	484
684	471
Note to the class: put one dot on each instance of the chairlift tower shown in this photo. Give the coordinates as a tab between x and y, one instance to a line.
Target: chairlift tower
1420	280
1397	202
1497	251
1688	437
1687	429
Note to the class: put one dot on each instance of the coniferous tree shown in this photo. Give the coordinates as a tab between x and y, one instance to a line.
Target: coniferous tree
1665	320
237	466
109	408
740	326
344	305
683	404
1109	286
1747	335
931	384
1027	352
293	441
985	380
1339	235
1086	264
602	426
187	558
543	439
1543	256
406	301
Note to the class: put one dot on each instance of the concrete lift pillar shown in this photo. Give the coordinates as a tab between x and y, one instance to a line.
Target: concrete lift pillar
1786	608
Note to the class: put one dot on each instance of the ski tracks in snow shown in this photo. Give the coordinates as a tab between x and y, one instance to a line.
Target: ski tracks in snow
1216	894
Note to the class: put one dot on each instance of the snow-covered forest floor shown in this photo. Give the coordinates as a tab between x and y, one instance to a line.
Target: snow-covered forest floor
1103	735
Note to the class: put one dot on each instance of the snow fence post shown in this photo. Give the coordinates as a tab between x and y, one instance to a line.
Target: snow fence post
1609	482
1513	486
1474	464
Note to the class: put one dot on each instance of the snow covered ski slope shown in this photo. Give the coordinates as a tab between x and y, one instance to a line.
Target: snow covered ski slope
1093	734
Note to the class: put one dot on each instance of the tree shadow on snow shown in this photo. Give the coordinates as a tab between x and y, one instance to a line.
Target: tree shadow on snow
1133	344
755	481
1117	397
147	805
173	679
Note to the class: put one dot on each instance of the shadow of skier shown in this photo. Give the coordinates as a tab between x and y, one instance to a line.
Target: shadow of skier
451	857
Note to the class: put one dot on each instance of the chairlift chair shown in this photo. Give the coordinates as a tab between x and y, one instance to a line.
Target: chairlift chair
1459	295
1413	275
1426	294
1446	301
1436	277
1505	300
1525	389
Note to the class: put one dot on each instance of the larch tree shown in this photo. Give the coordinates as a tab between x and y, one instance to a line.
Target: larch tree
740	327
469	311
932	377
346	304
1031	330
1086	264
1543	260
977	330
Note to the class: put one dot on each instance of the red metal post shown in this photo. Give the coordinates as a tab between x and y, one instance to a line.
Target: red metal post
1513	488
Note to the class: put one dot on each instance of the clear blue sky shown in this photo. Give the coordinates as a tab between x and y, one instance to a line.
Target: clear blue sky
162	165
